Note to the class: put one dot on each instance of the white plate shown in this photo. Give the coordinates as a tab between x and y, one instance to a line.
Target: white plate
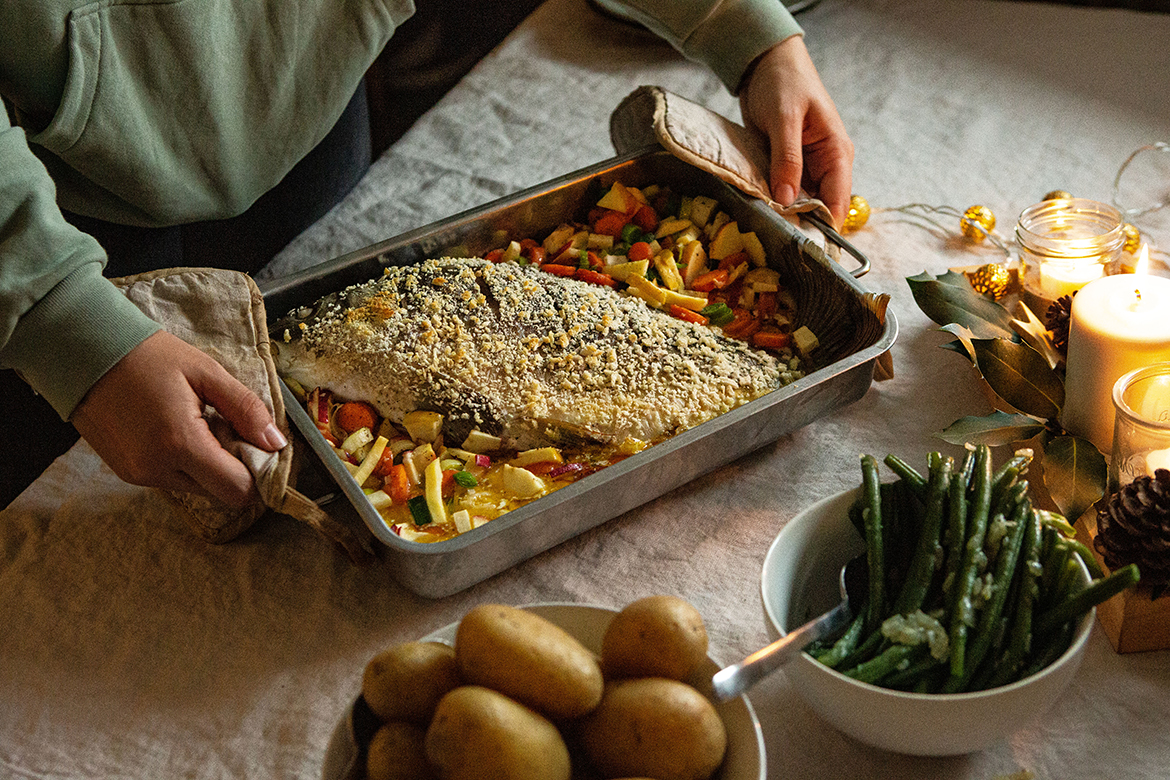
745	759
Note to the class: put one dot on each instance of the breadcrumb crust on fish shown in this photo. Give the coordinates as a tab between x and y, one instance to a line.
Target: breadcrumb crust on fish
522	354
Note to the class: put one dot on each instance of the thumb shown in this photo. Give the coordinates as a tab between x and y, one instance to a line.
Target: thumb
242	408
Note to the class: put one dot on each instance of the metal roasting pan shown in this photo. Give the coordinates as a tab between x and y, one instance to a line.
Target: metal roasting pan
828	297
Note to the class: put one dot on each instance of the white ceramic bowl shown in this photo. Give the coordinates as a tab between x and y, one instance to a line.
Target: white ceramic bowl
800	581
745	759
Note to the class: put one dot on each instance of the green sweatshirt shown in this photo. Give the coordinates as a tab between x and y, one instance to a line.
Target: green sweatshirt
163	112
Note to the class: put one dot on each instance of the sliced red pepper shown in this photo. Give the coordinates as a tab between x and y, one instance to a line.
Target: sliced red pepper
743	326
734	260
595	277
494	256
712	280
385	463
686	314
639	250
559	270
646	218
610	223
535	254
447	484
766	305
542	467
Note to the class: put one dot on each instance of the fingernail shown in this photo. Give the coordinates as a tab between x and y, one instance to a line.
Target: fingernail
274	437
787	195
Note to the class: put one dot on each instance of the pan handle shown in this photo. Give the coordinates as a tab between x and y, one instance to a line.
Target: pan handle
840	241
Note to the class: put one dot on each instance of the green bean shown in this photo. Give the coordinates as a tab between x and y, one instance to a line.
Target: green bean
922	564
963	614
1049	648
956	533
1099	591
1006	475
1057	522
1005	569
890	660
1086	555
874	548
913	674
1053	559
843	646
1020	635
907	473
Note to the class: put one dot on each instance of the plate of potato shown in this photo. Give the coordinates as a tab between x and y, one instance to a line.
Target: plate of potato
549	692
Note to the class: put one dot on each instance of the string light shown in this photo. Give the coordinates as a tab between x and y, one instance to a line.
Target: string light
977	223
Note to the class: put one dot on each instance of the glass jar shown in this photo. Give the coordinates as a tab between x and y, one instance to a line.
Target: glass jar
1141	434
1066	243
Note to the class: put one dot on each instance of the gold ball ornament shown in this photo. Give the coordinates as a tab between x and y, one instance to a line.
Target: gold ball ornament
1133	238
1058	195
977	222
857	215
991	279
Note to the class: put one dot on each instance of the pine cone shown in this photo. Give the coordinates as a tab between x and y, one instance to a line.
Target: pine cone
1056	320
1134	527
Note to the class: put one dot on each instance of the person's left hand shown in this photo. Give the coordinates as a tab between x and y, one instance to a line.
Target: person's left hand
144	417
785	99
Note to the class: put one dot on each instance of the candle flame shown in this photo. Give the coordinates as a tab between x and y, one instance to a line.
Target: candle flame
1143	263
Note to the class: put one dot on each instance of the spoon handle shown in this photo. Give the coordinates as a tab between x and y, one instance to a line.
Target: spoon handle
737	678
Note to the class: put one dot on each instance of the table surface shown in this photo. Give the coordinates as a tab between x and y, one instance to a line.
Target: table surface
131	649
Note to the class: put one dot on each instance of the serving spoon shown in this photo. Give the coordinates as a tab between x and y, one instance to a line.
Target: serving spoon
734	680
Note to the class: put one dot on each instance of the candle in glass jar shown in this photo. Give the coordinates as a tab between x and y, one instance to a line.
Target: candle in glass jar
1065	278
1118	324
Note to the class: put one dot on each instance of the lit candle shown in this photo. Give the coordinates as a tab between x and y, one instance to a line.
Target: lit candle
1057	279
1157	459
1118	323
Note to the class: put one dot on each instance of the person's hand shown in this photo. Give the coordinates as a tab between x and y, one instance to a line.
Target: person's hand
785	99
144	417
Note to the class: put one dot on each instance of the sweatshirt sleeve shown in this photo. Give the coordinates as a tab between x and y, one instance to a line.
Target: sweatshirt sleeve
725	35
62	324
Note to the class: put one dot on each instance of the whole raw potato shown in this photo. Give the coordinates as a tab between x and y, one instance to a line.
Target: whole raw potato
396	752
656	636
479	733
529	659
405	682
654	727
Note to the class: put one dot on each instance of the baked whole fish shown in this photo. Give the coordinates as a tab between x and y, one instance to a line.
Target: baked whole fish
527	356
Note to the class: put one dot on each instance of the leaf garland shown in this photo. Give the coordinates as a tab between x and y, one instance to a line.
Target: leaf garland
1022	378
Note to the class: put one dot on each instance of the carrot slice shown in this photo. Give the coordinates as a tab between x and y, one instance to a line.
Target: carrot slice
595	277
353	415
639	250
771	339
712	280
686	314
559	270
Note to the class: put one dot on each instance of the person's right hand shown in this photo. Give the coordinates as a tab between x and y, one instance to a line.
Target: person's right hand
785	99
144	417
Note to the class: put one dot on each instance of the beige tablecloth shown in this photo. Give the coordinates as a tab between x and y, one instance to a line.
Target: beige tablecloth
130	649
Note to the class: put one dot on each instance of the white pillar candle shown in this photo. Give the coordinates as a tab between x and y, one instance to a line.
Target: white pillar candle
1118	324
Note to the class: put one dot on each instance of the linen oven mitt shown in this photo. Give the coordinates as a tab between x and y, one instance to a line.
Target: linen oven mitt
706	140
222	313
736	154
